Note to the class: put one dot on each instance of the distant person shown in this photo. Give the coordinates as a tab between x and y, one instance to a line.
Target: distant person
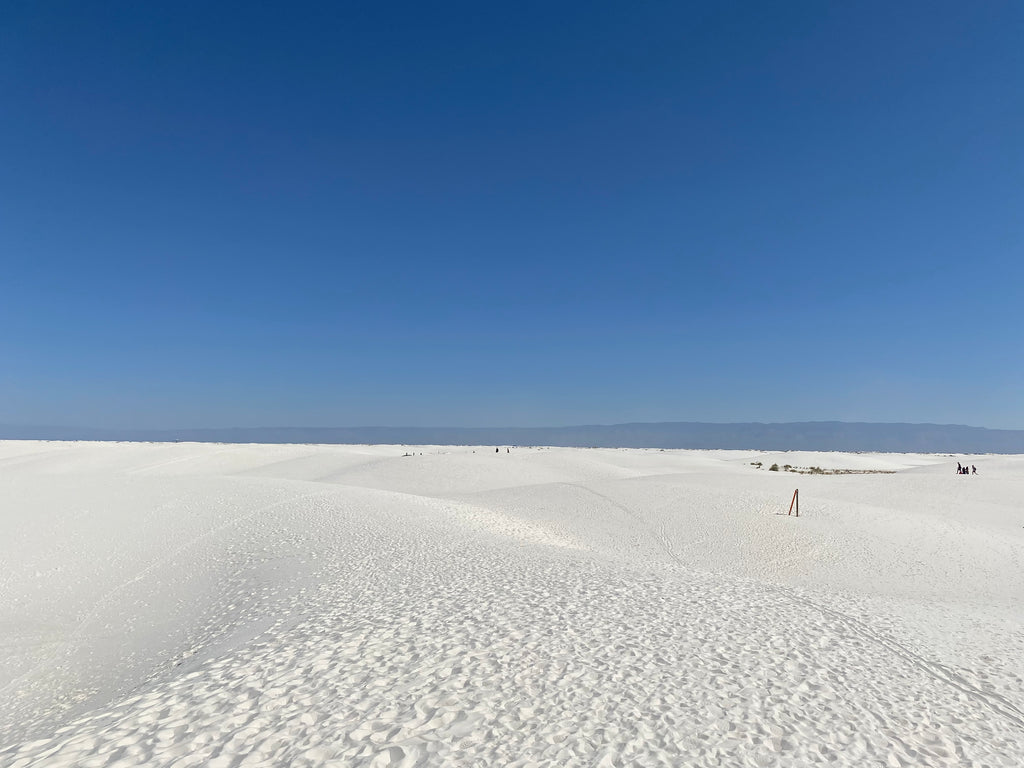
959	469
974	470
496	450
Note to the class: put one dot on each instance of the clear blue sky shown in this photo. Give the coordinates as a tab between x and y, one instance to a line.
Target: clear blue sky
529	213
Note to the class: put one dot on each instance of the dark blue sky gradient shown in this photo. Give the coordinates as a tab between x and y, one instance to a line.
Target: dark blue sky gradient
529	214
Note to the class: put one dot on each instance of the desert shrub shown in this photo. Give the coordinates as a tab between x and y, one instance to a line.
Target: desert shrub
773	468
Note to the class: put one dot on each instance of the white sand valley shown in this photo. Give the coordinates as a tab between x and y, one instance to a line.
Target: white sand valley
294	605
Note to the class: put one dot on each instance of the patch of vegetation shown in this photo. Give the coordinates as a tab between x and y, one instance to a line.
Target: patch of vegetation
820	471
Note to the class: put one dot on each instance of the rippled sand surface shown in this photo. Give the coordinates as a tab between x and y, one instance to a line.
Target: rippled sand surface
252	605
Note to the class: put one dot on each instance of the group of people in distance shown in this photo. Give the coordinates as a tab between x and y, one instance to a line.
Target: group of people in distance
965	470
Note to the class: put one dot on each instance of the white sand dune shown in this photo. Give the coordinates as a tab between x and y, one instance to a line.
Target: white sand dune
218	605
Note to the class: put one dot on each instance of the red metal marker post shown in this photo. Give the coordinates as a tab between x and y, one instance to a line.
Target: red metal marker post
796	501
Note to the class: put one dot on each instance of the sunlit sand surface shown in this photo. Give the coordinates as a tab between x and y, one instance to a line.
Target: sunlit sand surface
220	605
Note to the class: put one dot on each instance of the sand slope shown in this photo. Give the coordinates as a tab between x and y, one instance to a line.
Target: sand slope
187	604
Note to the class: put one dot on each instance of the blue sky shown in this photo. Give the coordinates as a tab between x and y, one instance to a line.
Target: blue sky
478	214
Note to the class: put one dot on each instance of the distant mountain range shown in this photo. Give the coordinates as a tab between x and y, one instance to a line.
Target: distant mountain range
796	436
